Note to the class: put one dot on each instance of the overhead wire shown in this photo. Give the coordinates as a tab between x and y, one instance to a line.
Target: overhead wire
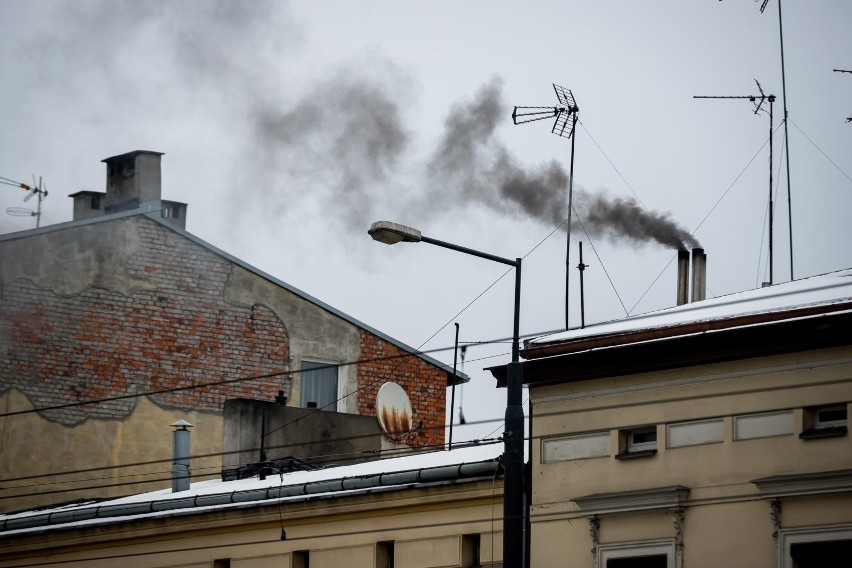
269	375
826	156
691	397
606	272
612	164
704	219
411	525
599	405
249	378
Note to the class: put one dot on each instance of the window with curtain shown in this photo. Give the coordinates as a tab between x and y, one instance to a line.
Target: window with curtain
319	385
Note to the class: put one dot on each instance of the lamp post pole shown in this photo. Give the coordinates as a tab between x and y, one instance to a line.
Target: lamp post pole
513	438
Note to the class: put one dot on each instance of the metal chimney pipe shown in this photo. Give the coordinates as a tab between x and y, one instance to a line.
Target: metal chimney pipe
180	456
699	274
682	277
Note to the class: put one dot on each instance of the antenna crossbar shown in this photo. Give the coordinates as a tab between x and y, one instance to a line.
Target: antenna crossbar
532	113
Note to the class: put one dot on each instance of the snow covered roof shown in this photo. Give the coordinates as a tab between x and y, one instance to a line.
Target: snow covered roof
468	462
824	291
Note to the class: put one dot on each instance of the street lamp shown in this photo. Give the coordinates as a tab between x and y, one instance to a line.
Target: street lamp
513	438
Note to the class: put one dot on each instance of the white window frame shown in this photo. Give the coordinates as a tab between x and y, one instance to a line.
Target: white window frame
633	446
788	537
606	552
823	424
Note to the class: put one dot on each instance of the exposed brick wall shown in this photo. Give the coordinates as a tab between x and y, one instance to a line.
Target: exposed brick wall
424	383
100	343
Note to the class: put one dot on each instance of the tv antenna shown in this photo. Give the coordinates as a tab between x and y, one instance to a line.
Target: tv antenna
562	113
758	101
786	133
33	190
849	119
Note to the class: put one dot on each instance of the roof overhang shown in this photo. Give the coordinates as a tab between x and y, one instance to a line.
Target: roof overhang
690	345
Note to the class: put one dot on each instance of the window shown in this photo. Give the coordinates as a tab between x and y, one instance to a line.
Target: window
319	385
651	555
815	547
301	559
384	554
471	544
820	554
830	417
825	422
96	201
638	442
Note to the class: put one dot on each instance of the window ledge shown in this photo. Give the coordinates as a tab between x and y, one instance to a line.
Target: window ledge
805	483
636	454
816	433
672	497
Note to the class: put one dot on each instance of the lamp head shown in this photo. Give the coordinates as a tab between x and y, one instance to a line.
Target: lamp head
392	233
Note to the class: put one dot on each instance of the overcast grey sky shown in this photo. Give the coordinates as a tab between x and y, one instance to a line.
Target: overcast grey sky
289	126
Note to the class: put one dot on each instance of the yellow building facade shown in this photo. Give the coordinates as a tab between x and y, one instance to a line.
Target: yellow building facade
400	512
711	434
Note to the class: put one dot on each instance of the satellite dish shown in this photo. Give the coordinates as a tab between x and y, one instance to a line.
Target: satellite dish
393	410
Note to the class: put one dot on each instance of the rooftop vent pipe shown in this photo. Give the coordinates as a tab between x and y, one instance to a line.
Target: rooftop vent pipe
699	274
180	456
682	277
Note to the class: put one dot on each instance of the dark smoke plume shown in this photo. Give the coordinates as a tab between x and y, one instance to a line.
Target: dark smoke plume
471	165
343	139
625	218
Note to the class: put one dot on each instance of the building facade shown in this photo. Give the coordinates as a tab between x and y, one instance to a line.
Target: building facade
125	309
709	434
438	509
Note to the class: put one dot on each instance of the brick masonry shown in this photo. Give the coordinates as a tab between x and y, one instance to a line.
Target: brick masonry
179	331
104	344
424	383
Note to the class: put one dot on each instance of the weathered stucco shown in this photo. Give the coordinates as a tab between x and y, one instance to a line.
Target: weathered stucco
314	333
96	458
125	305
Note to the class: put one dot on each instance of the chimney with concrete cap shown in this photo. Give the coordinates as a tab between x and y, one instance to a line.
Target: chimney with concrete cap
132	178
134	181
180	456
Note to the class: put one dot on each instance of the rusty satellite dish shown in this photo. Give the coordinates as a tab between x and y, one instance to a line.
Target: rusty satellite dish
393	410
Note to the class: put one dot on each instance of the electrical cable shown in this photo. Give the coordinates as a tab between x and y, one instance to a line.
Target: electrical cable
600	406
833	163
595	250
311	459
110	467
612	164
713	208
752	497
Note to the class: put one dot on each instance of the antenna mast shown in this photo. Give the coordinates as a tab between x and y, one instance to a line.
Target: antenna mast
32	190
786	133
567	109
758	101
